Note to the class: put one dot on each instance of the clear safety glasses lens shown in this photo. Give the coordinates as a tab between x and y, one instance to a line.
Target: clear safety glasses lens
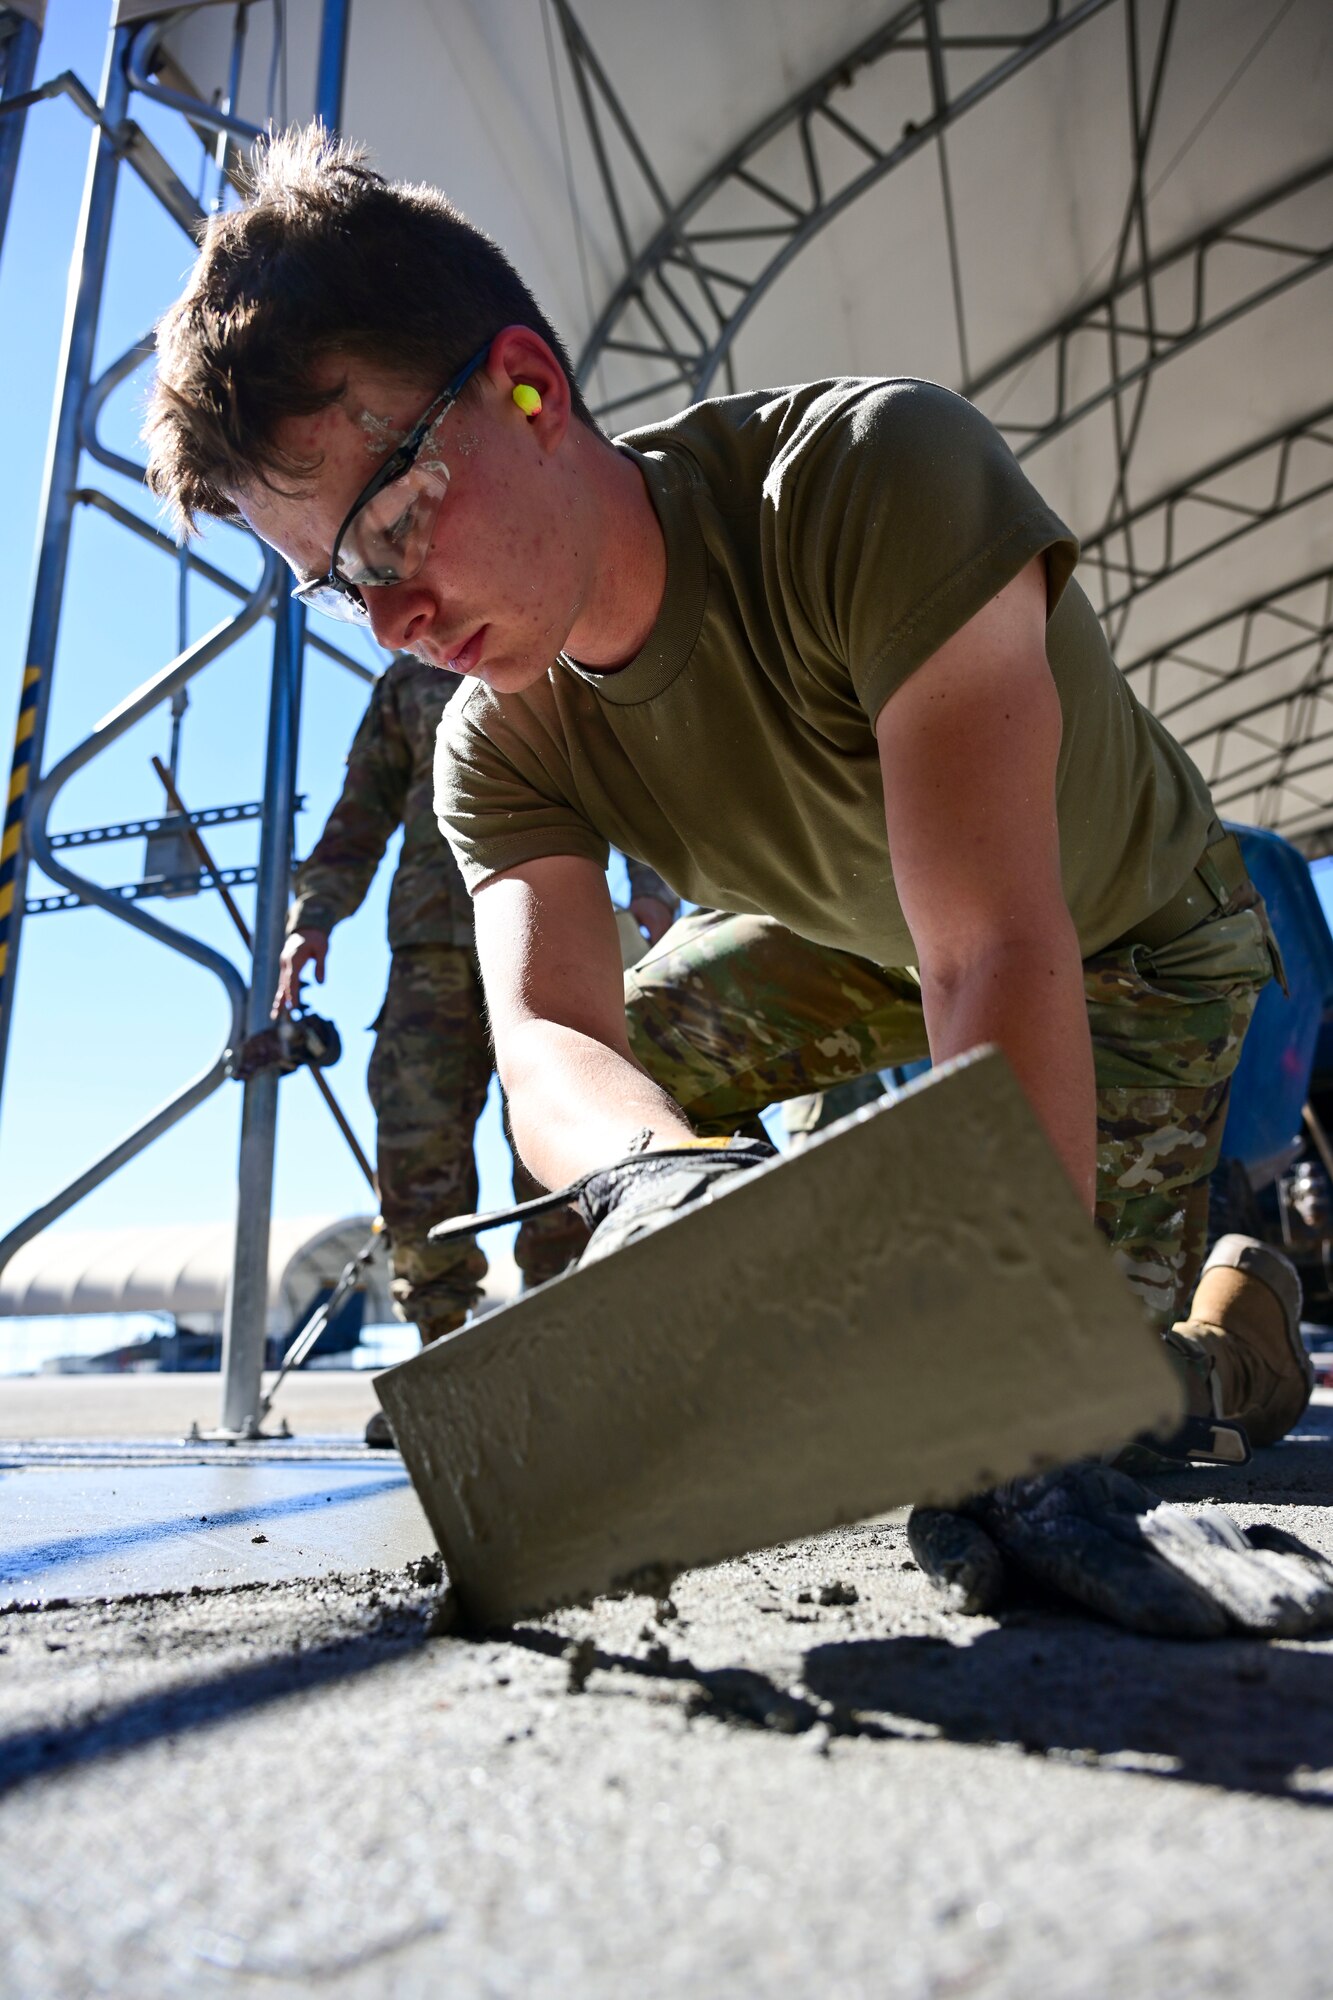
387	539
348	606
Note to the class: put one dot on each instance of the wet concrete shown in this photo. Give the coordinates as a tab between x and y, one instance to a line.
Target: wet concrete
85	1513
798	1776
687	1399
108	1530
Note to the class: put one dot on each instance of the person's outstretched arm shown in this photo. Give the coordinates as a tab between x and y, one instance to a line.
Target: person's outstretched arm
555	993
969	747
333	879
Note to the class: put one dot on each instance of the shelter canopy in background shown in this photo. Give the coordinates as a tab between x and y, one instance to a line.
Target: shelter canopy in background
183	1268
1108	222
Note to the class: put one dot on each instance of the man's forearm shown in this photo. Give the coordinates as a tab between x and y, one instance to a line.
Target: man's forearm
1030	1001
575	1104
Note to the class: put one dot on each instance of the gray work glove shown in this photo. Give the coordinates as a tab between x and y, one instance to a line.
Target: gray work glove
627	1200
1096	1536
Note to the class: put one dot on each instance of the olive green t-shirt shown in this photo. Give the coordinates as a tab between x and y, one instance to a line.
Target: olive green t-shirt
822	542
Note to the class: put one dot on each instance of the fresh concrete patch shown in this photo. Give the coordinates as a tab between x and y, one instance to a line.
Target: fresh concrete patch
79	1531
766	1786
911	1308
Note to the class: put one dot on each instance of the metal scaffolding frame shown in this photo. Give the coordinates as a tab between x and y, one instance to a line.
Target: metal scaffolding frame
116	137
20	40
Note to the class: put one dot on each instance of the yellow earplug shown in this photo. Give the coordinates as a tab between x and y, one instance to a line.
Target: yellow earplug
527	399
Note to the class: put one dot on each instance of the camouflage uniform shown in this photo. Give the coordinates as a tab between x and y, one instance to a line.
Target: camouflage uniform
431	1064
731	1013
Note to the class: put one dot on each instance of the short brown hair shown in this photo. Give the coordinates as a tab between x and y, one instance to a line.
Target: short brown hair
325	258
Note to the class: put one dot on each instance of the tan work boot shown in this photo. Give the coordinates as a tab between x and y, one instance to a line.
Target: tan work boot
1244	1330
378	1434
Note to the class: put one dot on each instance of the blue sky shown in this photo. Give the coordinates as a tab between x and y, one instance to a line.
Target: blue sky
108	1024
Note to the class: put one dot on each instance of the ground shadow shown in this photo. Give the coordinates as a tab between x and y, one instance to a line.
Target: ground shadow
1298	1472
1240	1713
729	1694
46	1748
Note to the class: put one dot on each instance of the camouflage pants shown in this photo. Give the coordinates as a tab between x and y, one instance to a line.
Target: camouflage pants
429	1074
730	1014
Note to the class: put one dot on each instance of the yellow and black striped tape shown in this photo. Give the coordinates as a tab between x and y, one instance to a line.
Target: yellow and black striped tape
20	772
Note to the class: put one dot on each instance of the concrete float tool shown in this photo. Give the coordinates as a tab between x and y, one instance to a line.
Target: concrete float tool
912	1308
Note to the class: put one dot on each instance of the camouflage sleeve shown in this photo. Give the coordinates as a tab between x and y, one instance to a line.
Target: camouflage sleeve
334	877
645	881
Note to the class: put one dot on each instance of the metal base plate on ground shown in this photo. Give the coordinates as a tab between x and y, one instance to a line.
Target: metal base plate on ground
912	1308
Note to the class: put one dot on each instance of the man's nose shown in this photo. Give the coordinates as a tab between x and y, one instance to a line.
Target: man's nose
400	614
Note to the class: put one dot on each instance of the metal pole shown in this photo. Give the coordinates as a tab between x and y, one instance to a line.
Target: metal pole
87	267
20	63
246	1314
332	66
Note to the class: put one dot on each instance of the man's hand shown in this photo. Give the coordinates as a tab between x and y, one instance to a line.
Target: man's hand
302	948
1100	1539
637	1195
652	916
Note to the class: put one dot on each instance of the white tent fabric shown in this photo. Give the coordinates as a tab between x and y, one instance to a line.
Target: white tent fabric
1110	222
183	1269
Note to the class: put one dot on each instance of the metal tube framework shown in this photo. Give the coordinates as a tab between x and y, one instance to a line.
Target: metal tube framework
20	39
80	402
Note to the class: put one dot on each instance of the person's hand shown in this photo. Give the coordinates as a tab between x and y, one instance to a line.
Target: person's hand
302	949
623	1202
652	916
1099	1538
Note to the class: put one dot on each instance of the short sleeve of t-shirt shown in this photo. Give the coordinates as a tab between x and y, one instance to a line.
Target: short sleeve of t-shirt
501	796
898	517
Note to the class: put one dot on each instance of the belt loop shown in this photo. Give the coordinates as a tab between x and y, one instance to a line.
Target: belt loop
1211	875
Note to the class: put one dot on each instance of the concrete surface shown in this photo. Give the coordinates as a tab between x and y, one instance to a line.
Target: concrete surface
102	1530
799	1777
318	1401
87	1513
684	1400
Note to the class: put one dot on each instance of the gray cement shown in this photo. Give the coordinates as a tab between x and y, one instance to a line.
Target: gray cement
86	1512
684	1400
798	1777
82	1530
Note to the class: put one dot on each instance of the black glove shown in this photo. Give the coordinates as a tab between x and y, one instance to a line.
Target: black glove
1094	1535
624	1201
627	1200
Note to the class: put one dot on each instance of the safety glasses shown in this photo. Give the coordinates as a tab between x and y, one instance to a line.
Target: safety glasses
392	520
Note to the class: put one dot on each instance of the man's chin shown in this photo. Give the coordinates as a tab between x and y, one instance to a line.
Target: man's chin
509	676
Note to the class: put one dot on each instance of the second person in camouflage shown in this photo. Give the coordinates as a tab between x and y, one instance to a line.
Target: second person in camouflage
431	1065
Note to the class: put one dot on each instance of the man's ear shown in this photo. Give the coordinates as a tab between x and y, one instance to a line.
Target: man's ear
520	358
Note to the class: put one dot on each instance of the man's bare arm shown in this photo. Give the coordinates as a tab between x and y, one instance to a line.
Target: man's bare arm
968	749
555	991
